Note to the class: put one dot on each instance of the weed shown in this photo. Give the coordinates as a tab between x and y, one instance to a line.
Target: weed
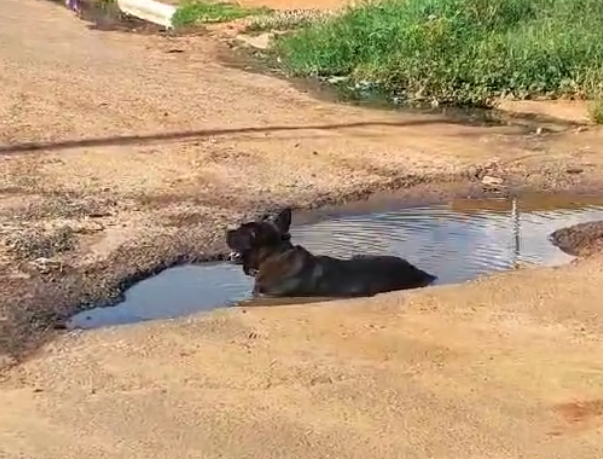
596	111
196	12
285	20
38	243
457	51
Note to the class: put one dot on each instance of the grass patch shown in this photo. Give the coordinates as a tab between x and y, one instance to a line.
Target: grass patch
38	243
458	51
596	111
285	20
205	12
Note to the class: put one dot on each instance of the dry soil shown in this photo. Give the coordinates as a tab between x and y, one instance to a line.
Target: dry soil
122	153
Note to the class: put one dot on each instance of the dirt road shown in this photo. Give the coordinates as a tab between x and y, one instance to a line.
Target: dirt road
121	153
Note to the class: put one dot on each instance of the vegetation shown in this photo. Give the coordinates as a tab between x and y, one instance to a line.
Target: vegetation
596	111
458	51
197	11
285	20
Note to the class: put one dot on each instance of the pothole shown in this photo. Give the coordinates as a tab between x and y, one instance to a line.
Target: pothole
457	242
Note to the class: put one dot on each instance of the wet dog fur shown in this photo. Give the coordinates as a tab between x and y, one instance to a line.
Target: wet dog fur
281	269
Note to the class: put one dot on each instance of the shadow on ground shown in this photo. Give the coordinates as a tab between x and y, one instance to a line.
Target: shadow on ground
192	135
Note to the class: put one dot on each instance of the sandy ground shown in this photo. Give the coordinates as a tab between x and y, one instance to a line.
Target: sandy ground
121	154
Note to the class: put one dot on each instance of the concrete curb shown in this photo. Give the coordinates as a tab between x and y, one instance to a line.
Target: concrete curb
149	10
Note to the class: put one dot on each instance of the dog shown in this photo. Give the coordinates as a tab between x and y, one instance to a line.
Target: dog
281	269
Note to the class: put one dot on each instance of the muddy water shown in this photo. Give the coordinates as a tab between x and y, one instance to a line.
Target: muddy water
458	241
341	91
175	292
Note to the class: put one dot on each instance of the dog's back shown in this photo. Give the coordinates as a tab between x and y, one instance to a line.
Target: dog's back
297	272
369	275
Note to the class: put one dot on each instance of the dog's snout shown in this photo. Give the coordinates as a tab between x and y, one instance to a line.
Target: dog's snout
234	257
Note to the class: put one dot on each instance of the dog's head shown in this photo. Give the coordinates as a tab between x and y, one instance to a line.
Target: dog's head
249	240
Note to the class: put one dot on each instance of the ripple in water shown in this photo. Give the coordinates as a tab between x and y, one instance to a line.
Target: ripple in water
457	242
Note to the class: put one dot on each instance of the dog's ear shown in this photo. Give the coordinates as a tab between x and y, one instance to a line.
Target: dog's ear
283	220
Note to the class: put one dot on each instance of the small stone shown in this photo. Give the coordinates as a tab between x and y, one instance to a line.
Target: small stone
87	227
337	79
490	180
259	42
45	265
473	172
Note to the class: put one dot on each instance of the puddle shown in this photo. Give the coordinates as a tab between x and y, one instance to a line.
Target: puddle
340	90
458	241
175	292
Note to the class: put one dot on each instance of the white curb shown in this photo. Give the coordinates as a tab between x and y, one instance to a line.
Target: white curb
149	10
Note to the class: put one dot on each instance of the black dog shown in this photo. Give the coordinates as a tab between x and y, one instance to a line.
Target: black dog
282	269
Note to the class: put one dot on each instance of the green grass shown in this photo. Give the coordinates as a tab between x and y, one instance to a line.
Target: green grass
204	12
596	111
458	51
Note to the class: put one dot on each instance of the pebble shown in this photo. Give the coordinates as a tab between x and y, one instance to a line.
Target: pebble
490	180
45	265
